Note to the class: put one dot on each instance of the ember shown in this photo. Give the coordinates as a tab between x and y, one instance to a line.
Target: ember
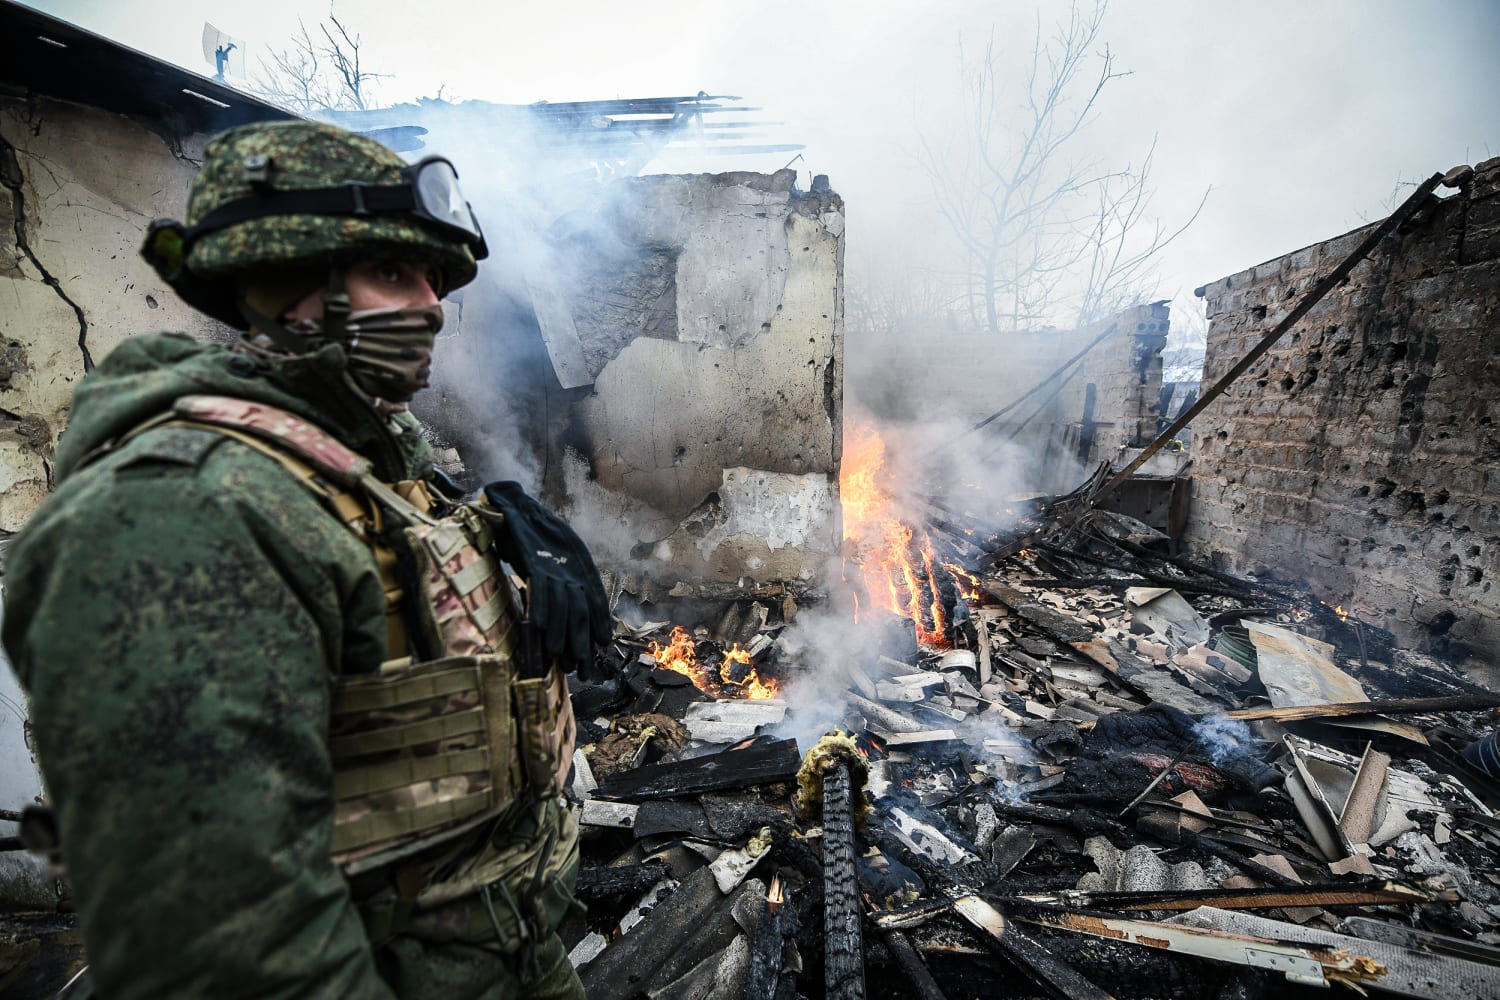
734	677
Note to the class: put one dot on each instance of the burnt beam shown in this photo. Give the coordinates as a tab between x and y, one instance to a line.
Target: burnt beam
739	767
844	966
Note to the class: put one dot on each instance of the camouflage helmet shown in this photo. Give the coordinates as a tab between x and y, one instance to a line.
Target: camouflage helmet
286	195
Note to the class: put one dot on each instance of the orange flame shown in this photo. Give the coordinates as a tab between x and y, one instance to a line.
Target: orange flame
895	560
1338	610
681	655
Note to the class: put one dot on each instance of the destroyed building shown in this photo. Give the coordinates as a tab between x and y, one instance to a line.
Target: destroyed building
1109	736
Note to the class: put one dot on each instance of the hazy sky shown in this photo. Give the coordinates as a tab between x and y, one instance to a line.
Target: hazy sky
1301	115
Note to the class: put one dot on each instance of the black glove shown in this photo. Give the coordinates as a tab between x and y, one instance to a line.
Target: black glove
567	604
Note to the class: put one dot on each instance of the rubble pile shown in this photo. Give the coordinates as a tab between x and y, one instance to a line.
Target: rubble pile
1116	774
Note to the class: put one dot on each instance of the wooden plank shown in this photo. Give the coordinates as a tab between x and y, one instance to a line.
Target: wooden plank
1050	972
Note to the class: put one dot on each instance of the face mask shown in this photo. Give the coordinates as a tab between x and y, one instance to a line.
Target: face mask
390	350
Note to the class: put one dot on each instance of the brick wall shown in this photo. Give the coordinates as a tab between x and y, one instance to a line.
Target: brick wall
1360	457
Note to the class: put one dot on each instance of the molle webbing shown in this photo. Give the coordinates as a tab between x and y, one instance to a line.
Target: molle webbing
413	751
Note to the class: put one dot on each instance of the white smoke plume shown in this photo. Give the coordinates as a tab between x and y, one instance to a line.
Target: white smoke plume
1222	739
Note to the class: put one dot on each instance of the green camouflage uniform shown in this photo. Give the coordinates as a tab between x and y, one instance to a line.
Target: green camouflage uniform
176	613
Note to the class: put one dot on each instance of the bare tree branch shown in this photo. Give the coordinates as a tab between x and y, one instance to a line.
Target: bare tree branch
1037	226
318	75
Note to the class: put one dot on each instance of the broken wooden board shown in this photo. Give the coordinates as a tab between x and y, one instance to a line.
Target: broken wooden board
925	736
1372	893
1401	706
1309	966
1050	972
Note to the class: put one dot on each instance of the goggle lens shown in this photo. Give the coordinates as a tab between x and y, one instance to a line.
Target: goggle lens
438	194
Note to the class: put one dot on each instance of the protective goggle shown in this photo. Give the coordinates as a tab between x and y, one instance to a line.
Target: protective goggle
429	192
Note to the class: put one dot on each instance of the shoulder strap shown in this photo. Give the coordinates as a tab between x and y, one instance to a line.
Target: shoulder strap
289	432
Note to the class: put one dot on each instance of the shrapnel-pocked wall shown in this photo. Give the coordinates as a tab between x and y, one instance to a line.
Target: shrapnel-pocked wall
1361	455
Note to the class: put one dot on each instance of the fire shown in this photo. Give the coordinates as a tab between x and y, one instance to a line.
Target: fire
735	678
1337	609
894	559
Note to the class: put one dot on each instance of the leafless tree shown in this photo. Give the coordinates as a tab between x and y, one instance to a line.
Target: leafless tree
1045	234
318	74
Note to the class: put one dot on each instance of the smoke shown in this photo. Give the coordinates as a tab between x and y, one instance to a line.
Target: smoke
1223	739
824	644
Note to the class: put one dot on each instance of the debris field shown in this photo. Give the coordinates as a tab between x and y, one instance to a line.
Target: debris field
1111	773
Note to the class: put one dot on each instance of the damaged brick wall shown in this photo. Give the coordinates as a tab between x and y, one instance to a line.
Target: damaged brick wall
1360	456
1125	373
80	187
955	377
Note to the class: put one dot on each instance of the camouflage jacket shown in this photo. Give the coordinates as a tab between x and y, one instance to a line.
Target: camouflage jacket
176	611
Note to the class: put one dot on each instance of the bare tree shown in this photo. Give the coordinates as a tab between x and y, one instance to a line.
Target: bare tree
1037	225
343	53
315	74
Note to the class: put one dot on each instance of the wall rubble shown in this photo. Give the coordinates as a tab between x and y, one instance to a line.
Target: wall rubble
1360	457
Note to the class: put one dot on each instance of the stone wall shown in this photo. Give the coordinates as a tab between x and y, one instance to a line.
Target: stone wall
1124	371
1360	457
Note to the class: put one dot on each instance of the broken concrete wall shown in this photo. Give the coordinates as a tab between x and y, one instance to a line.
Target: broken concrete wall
1361	455
81	185
675	356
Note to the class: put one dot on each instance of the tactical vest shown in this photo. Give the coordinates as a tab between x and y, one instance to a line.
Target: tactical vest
453	730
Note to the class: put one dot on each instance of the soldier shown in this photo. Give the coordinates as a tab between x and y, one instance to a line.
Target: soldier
302	734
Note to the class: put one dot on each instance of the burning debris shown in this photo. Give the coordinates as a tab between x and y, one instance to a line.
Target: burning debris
1148	780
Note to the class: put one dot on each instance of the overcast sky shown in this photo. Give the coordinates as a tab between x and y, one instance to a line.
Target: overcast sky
1302	116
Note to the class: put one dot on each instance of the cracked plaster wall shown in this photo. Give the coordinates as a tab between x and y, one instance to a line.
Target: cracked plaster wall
79	188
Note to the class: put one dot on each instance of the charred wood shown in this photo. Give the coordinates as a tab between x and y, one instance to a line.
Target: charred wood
844	959
768	947
911	963
1402	706
1123	583
1051	973
758	764
626	880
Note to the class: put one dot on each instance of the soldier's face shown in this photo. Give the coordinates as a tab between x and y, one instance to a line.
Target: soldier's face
376	284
